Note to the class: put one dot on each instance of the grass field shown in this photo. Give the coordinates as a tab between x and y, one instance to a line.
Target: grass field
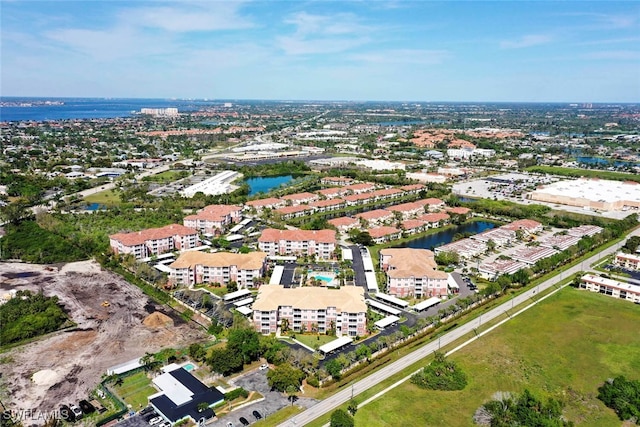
107	198
135	390
563	348
167	176
313	340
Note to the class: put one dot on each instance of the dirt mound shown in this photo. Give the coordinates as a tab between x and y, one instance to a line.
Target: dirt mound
157	320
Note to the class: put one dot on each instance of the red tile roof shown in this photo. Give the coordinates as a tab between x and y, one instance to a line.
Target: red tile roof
274	235
382	231
140	237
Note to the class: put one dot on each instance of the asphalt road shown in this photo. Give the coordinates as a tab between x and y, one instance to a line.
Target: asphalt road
382	374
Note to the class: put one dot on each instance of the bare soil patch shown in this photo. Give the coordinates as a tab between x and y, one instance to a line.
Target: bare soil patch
109	312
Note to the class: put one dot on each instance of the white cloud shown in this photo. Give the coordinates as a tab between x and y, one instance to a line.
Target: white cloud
318	34
293	45
404	56
526	41
188	17
111	44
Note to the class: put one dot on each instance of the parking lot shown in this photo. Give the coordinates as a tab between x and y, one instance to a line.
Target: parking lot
273	400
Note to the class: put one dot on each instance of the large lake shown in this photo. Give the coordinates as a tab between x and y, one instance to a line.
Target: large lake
443	237
267	183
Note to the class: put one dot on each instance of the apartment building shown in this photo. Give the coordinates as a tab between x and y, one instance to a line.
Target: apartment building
611	287
630	261
432	204
412	273
321	243
384	234
214	219
528	226
408	210
375	217
300	198
195	267
154	241
311	308
268	203
328	205
435	219
345	223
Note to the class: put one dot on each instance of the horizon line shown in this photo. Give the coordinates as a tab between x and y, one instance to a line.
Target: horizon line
206	99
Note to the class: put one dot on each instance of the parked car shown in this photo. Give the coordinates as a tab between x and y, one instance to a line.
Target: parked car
244	421
264	366
257	415
77	412
229	424
154	421
165	424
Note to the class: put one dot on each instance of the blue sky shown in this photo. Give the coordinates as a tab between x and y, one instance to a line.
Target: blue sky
560	51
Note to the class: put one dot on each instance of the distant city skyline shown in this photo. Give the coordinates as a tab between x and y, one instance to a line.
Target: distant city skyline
455	51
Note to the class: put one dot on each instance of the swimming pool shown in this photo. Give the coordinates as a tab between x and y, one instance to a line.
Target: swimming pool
189	367
326	277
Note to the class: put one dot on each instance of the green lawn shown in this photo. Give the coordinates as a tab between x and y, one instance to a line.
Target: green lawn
135	390
313	340
279	417
167	176
107	198
564	348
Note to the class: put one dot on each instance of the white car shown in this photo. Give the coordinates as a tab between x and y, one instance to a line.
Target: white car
77	412
165	424
155	420
264	366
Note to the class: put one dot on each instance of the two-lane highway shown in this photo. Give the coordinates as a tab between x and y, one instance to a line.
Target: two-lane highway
383	373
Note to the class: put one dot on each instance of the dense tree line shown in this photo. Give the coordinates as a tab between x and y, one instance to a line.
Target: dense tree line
507	410
623	396
29	315
30	243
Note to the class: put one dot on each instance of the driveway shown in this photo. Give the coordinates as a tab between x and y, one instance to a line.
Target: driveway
358	267
273	400
287	274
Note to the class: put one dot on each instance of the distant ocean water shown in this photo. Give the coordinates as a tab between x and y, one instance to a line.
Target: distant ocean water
88	108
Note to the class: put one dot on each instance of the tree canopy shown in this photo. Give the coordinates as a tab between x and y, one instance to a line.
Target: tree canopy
507	410
284	377
441	374
29	315
623	396
340	418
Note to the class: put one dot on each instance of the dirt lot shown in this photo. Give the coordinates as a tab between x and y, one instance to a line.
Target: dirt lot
69	364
